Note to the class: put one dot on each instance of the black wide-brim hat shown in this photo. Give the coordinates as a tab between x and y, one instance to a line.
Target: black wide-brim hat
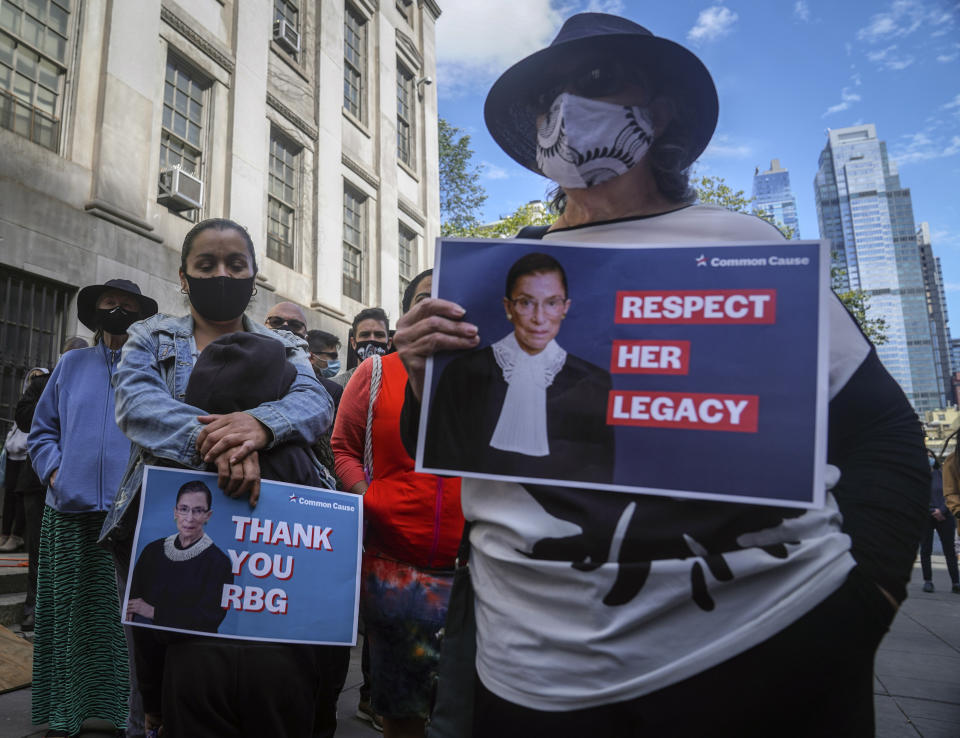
673	71
88	297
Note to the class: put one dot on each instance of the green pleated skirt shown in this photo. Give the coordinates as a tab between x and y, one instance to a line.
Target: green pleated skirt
79	653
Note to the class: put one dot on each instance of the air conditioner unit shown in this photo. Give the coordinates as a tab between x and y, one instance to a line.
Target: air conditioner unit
180	190
286	35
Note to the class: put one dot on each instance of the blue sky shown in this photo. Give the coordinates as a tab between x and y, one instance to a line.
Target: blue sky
785	70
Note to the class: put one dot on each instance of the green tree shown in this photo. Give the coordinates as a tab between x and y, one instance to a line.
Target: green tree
715	191
532	213
858	303
461	194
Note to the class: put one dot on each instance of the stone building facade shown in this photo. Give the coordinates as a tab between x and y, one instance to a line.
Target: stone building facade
313	124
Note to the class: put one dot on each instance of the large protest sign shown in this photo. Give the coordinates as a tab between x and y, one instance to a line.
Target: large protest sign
689	371
286	570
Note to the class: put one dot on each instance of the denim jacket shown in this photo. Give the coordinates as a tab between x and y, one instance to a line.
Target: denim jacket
150	384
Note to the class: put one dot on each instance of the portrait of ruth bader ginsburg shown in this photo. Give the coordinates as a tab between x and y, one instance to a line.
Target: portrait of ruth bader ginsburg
523	406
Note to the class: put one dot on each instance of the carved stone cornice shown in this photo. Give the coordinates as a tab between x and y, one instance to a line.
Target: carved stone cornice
308	128
361	171
409	48
112	214
411	211
185	29
432	7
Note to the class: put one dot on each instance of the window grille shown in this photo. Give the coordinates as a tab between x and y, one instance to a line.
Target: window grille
32	330
405	102
354	237
354	61
33	51
282	200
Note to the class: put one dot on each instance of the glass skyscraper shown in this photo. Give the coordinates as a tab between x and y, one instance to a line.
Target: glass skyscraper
771	193
868	217
936	308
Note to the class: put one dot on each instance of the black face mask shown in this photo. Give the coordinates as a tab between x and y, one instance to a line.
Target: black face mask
220	298
366	349
116	320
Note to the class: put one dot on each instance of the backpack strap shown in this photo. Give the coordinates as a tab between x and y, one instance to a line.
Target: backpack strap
533	231
376	374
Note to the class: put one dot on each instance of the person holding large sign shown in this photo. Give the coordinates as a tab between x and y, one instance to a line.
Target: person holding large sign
609	613
205	690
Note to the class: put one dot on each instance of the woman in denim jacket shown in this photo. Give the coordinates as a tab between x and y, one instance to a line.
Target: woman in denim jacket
213	682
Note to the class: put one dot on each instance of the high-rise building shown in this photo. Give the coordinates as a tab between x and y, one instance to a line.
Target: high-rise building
771	193
313	124
936	308
955	355
868	218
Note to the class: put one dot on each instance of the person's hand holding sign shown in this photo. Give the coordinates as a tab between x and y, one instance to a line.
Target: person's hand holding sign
430	326
140	606
231	443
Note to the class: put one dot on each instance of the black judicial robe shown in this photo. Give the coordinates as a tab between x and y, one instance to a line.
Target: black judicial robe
465	409
184	594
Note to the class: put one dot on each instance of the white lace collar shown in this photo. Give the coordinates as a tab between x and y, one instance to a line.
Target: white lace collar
185	554
522	425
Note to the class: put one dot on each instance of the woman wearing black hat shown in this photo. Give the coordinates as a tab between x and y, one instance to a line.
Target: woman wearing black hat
610	614
77	450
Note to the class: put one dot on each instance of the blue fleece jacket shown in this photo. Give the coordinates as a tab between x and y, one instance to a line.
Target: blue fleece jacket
75	433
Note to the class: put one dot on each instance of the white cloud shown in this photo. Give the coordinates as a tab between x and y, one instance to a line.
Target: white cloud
615	7
712	23
492	171
949	53
917	147
478	41
901	19
951	286
888	59
723	146
801	10
881	54
955	103
904	17
847	99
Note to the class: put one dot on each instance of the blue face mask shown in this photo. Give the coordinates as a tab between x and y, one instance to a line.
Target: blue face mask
931	460
331	370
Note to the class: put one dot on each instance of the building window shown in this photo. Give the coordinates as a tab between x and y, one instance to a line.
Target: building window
354	61
282	200
405	100
182	126
406	10
287	12
354	236
407	257
33	51
33	324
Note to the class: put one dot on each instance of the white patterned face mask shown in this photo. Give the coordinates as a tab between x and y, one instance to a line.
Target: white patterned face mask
583	142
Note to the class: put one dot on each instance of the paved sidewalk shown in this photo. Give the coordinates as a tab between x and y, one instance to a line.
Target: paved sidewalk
917	684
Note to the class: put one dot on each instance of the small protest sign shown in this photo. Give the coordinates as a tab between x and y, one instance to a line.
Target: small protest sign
287	570
693	371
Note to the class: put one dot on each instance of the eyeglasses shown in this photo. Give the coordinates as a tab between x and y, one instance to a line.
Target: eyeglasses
332	355
294	326
595	78
526	306
184	511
